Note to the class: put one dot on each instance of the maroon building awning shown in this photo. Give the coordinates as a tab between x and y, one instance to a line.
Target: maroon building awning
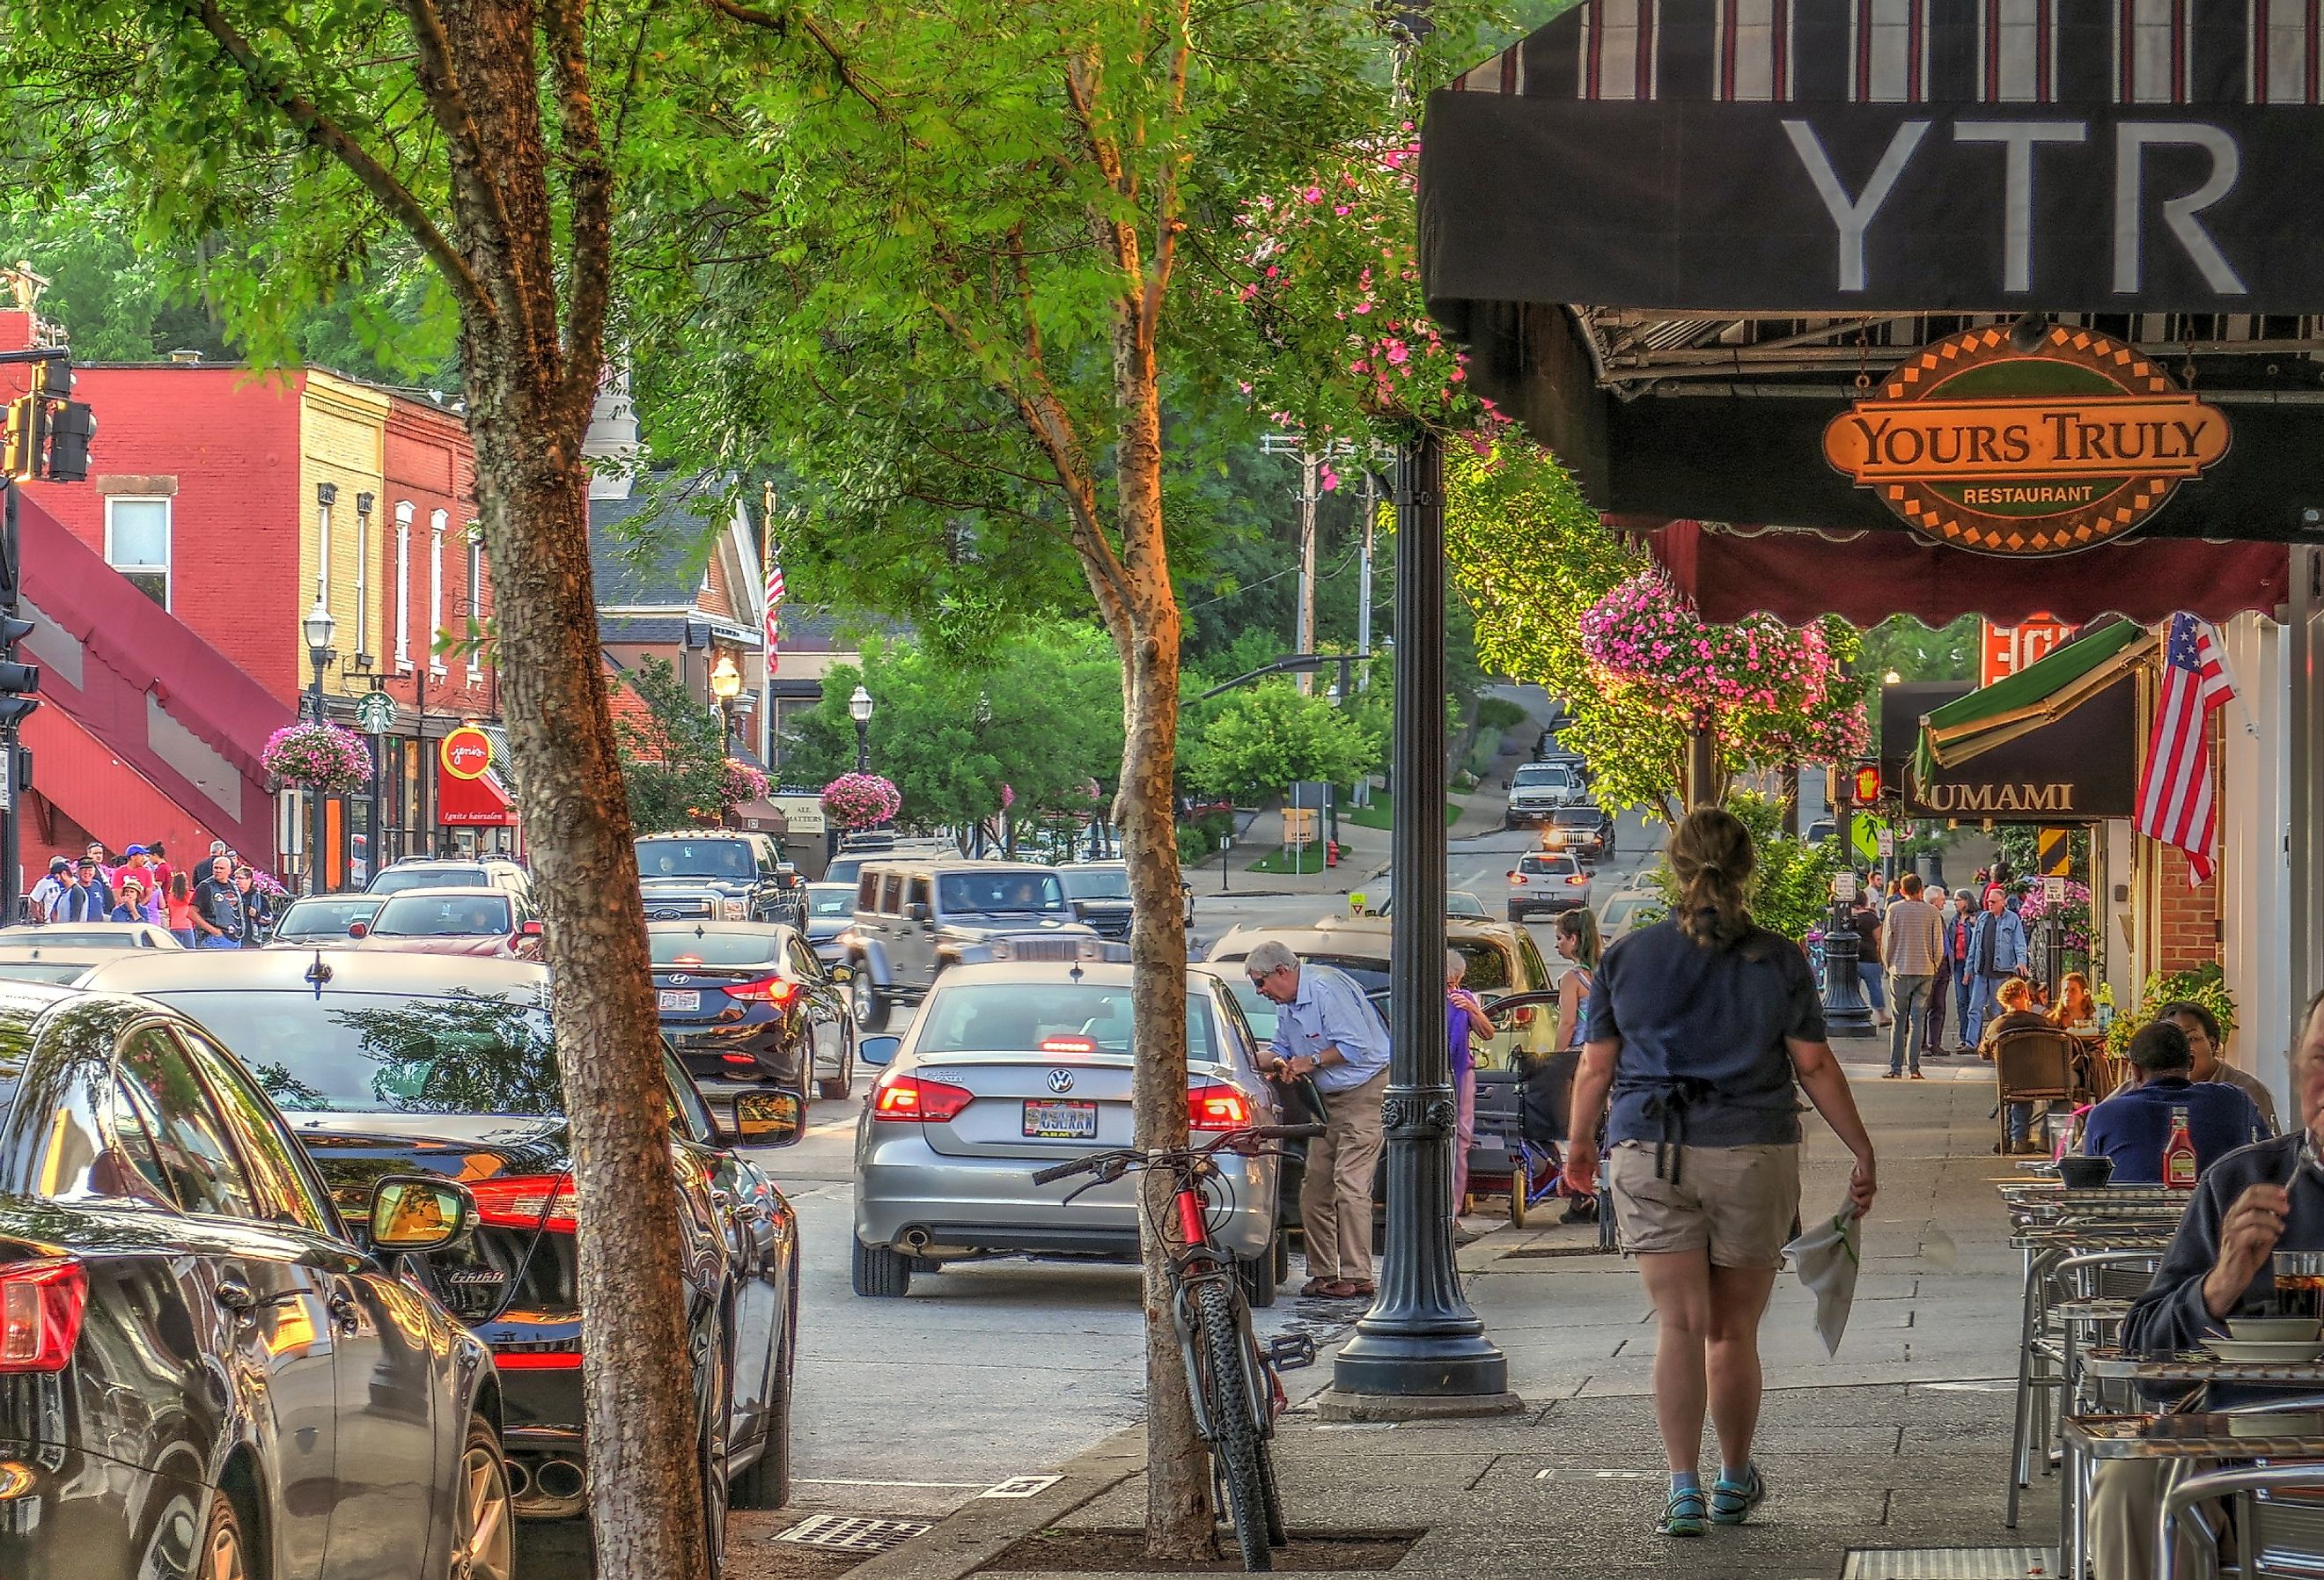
1798	576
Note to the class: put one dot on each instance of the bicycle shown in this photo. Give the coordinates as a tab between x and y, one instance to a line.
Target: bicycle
1231	1377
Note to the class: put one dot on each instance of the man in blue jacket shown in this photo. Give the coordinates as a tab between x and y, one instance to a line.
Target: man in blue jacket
1996	951
2134	1125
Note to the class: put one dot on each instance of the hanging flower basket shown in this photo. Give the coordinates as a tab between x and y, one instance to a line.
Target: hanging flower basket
741	782
317	757
859	800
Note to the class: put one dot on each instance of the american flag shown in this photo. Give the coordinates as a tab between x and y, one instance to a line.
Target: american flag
774	601
2175	794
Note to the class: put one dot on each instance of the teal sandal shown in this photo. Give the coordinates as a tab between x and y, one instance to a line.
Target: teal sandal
1683	1515
1732	1501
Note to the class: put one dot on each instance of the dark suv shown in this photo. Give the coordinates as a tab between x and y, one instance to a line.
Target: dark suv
1584	832
913	918
717	874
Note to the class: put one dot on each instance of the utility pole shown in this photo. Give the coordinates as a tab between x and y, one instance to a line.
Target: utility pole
1364	580
1303	637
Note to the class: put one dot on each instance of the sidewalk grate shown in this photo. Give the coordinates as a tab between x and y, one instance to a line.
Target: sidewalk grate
1590	1249
853	1533
1951	1564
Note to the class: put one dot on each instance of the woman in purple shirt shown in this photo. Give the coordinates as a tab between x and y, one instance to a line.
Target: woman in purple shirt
1465	1017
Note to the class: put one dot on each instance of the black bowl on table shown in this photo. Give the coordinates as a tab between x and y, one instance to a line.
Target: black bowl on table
2086	1173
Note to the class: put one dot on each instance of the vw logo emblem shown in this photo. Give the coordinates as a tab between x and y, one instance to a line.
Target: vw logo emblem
677	976
1061	1080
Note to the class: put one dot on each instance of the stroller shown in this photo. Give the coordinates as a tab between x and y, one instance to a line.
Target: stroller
1521	1119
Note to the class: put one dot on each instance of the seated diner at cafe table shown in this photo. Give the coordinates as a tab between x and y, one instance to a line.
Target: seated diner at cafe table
2135	1124
2255	1201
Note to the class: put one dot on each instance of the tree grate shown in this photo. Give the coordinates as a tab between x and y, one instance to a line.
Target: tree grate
852	1533
1951	1564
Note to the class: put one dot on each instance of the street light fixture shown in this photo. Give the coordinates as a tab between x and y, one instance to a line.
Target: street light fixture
319	629
1892	678
859	708
725	685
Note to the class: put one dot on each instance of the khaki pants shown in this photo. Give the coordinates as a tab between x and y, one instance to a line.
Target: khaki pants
1335	1198
2125	1500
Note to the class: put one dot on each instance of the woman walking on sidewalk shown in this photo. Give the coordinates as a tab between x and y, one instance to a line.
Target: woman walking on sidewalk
1699	1026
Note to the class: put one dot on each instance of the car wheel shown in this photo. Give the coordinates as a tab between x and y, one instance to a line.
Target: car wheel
1259	1278
868	1002
879	1274
483	1543
223	1555
717	1409
767	1485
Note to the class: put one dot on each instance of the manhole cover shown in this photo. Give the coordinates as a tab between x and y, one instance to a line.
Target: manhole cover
853	1533
1951	1564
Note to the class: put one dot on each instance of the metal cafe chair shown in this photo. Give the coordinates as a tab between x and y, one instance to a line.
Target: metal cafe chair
2033	1064
2077	1286
2279	1518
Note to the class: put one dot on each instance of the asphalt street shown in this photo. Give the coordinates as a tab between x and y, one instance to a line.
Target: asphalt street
1003	1369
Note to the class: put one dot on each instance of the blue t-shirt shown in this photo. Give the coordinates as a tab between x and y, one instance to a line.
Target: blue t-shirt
2133	1127
1703	1034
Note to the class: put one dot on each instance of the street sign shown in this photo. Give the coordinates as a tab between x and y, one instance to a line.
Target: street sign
376	713
801	814
467	752
1887	842
1298	825
2053	852
1843	885
2008	649
2053	891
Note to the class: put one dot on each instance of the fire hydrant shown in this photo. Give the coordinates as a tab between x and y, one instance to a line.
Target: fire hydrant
1331	853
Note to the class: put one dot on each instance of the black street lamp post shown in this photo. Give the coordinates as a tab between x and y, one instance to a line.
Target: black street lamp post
1420	1350
1846	1011
319	628
859	708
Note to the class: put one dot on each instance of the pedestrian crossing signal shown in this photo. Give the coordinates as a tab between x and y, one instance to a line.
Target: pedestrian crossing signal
1868	784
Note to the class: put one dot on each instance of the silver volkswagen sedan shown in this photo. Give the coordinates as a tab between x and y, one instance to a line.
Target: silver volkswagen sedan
1009	1068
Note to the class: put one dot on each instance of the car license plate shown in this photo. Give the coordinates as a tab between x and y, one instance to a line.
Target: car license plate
683	999
1064	1122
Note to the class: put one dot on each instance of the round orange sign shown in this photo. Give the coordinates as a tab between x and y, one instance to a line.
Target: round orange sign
467	752
1979	445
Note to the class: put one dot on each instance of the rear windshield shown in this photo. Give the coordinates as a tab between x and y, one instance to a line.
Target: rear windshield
697	858
1034	890
443	915
1544	774
323	918
62	971
1096	882
396	880
1556	865
703	948
1015	1018
384	1053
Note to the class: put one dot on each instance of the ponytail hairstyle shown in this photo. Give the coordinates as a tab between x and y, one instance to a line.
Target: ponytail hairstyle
177	890
1711	858
1581	925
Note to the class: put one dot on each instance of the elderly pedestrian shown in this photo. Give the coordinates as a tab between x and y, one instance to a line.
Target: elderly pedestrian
1912	942
1464	1020
1997	952
1940	987
1328	1030
218	907
1703	1028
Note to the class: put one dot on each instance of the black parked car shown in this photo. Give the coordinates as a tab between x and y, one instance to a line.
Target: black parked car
717	875
200	1372
752	1002
830	912
392	1063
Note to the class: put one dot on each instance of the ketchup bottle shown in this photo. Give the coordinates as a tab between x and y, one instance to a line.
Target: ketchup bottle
2178	1154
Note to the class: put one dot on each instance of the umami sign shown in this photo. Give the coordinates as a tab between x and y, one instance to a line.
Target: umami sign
1987	448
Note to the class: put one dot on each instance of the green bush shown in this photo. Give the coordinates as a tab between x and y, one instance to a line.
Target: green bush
1499	715
2206	984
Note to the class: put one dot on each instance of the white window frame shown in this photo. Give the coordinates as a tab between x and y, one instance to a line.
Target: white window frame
362	583
436	522
404	510
323	555
169	541
475	605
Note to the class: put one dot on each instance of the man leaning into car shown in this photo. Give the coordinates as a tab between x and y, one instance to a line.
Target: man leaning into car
1328	1030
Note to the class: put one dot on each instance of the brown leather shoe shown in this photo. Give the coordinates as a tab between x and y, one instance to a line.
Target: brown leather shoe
1341	1290
1314	1287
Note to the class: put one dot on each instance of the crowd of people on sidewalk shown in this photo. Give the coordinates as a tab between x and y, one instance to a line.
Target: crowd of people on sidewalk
225	903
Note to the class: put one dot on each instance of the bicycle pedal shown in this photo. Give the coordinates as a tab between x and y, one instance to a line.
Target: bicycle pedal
1287	1352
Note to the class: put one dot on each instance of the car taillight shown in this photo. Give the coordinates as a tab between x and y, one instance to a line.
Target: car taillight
526	1201
40	1307
1217	1108
909	1098
766	990
1068	1045
1517	878
1577	878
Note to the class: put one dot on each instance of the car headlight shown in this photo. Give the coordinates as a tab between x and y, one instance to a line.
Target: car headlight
733	909
1000	949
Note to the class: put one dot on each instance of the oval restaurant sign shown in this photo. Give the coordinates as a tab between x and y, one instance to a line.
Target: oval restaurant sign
467	752
1987	448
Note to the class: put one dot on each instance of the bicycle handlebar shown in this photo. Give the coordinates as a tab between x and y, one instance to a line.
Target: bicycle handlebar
1233	1141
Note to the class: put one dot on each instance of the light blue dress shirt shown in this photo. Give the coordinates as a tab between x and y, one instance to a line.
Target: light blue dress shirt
1332	1011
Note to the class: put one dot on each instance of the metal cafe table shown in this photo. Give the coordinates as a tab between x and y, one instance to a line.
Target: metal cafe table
2190	1439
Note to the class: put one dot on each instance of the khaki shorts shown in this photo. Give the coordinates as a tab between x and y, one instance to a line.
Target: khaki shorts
1738	1202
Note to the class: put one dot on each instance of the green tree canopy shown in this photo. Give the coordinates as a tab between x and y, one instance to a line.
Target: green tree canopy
674	758
1267	736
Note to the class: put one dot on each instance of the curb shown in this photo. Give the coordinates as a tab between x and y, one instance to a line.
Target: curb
981	1529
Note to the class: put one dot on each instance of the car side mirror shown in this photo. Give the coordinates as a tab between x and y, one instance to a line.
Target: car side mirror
918	910
768	1119
876	1051
356	929
416	1212
531	930
842	974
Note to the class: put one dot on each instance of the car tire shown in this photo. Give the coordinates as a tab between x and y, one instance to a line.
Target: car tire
865	1000
1259	1278
485	1541
879	1274
224	1552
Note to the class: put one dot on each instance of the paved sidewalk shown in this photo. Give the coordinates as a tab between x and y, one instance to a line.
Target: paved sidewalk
1899	1442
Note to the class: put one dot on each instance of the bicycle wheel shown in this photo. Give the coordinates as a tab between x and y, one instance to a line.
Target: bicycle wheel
1276	1536
1234	1443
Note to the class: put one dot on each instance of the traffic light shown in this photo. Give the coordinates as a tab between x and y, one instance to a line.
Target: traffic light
1868	784
71	426
20	450
48	432
17	682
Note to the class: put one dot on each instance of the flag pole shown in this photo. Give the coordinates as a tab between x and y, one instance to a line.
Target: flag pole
766	629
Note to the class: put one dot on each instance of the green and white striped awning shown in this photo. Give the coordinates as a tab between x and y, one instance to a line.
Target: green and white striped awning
2039	694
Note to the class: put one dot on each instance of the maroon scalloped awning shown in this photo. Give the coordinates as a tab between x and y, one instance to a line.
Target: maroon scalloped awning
1866	576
